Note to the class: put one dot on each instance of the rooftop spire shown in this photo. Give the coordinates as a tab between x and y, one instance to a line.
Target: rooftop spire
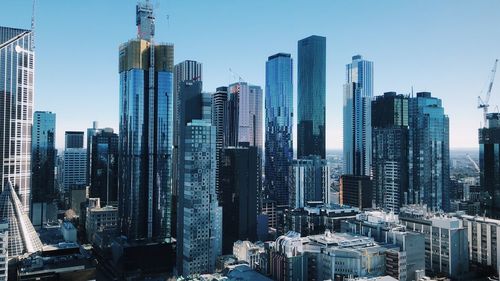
145	20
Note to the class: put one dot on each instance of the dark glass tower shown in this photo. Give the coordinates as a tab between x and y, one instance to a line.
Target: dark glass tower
429	152
146	132
279	126
74	139
390	151
43	156
489	164
17	76
104	168
239	182
311	96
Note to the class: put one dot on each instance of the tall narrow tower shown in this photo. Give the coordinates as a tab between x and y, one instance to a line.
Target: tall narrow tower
146	125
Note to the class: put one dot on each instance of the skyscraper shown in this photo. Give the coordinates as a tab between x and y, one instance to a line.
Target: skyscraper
358	92
104	166
279	126
245	102
91	132
489	163
429	154
17	76
311	96
43	156
239	176
219	106
145	136
73	139
390	151
74	168
309	181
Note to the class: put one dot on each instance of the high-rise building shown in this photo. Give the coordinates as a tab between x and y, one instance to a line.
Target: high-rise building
146	132
245	119
4	242
73	139
489	164
74	168
104	166
311	97
390	151
22	235
356	191
309	181
43	156
201	218
17	76
279	126
358	93
429	152
239	183
219	106
91	132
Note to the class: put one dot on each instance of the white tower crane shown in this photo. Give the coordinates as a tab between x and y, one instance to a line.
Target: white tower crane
484	104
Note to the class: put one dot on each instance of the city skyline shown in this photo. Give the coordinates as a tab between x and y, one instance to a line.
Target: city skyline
436	51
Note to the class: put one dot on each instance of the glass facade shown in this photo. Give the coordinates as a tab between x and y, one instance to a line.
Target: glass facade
145	139
104	166
279	126
429	152
489	164
202	217
43	156
390	151
358	93
17	75
311	97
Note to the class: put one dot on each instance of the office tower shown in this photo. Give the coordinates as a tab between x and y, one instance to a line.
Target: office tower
358	93
489	163
104	166
311	96
245	115
219	106
91	132
17	75
356	191
4	242
145	134
279	126
239	182
43	156
187	70
429	153
202	217
309	181
390	151
73	139
74	168
22	236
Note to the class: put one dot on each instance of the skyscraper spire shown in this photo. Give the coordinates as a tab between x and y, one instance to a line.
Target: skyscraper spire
145	20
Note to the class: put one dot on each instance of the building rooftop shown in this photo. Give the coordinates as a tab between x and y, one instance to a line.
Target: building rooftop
342	240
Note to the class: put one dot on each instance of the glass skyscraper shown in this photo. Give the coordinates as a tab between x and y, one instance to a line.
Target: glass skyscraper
489	163
279	126
390	151
104	166
17	76
358	93
311	96
43	156
146	132
429	153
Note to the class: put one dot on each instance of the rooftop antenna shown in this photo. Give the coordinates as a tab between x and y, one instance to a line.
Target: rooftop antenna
33	26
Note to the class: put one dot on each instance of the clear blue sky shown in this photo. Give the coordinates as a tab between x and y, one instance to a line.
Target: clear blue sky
446	47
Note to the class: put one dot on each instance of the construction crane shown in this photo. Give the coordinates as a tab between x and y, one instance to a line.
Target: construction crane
484	104
236	76
473	162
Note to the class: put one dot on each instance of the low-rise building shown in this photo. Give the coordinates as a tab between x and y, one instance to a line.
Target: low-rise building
100	221
249	252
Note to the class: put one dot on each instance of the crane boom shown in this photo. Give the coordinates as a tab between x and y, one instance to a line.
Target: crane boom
484	104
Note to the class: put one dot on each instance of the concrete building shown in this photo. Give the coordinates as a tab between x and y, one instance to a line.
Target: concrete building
74	168
446	247
309	180
4	243
68	231
249	252
100	220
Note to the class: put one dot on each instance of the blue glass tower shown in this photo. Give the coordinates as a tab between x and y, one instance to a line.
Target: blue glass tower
358	92
146	132
429	154
279	126
311	96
